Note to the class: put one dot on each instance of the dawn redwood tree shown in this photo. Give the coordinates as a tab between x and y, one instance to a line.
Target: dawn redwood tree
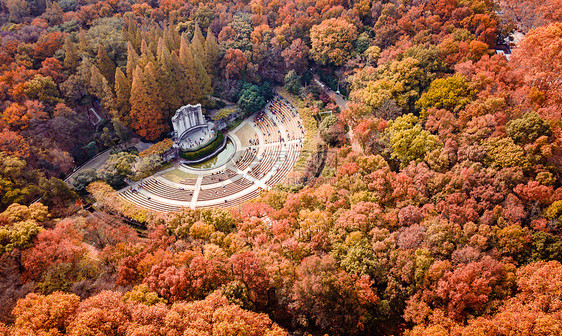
148	117
106	65
122	96
198	84
212	52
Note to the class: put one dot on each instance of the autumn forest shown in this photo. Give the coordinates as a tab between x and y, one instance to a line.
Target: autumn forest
427	199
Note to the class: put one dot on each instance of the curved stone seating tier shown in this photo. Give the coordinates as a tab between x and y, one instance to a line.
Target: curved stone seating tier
266	162
225	190
218	177
150	203
165	191
236	201
287	116
267	127
289	158
268	144
189	181
246	158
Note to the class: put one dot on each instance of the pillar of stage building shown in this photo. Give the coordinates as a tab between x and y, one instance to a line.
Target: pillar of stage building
189	126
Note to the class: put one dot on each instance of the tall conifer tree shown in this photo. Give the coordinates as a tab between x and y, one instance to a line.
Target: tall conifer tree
212	53
100	88
193	88
146	55
147	108
106	65
198	43
168	84
132	60
122	96
71	57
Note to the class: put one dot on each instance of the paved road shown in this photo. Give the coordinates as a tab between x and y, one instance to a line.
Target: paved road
342	104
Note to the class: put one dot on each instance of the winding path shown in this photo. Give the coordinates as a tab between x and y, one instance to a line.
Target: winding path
342	104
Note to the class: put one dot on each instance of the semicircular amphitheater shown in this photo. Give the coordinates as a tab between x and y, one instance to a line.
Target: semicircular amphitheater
261	152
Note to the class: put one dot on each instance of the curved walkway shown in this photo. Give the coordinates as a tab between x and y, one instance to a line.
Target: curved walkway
268	145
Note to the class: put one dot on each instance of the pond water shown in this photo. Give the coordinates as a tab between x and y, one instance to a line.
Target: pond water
218	160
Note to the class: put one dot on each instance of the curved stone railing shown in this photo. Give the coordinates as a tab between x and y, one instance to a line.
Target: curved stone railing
208	156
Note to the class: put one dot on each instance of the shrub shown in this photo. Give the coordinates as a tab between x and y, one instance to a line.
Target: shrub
194	155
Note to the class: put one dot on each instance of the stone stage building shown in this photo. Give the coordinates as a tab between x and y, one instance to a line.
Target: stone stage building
191	130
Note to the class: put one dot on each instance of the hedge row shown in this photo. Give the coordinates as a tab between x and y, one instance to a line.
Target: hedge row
194	155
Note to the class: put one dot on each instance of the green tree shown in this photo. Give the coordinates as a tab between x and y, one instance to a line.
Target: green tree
331	130
117	167
83	178
293	82
527	128
251	99
408	140
55	193
362	43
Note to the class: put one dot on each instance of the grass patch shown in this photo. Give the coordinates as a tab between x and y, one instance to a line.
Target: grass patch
177	175
310	126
